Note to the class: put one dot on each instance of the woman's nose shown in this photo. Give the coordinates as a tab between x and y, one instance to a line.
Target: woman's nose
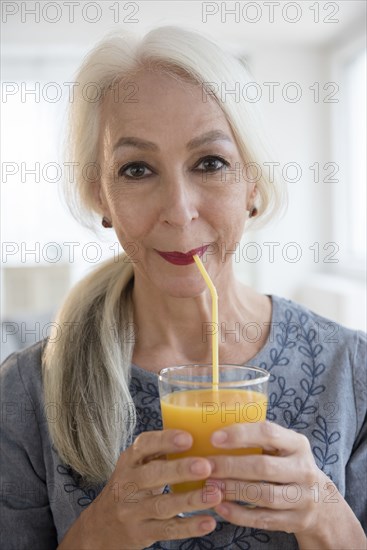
178	202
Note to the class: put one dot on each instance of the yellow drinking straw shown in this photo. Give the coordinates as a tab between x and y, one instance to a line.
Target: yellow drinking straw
214	295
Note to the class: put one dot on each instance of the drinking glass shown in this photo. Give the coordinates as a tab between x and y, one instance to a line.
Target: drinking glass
190	402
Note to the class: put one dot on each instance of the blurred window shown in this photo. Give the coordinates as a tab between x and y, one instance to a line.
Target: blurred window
348	141
356	147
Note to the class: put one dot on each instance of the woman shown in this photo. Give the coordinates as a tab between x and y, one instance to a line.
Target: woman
82	436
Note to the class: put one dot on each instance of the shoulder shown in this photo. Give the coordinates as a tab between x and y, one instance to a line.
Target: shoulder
319	339
23	425
21	375
303	321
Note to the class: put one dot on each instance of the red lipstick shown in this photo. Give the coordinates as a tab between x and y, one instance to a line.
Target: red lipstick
182	258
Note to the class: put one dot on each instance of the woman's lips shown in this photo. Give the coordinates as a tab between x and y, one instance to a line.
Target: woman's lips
181	258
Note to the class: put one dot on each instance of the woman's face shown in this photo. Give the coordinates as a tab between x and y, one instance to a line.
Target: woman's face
172	182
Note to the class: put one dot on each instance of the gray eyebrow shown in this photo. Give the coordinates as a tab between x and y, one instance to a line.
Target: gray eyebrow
213	135
208	137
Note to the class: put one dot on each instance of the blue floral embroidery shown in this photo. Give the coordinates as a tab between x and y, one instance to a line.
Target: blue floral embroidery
148	418
88	494
277	400
312	370
294	417
150	391
324	458
242	533
285	340
240	539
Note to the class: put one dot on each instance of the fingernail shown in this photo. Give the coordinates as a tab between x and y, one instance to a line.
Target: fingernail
212	464
198	467
182	440
211	492
213	485
222	509
207	525
219	437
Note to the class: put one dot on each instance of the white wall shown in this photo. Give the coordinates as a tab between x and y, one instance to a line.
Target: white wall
302	132
299	133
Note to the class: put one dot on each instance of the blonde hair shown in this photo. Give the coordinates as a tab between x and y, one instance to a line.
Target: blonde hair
94	365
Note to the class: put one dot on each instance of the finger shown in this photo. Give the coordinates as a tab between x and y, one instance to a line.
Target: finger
163	472
267	435
151	445
262	518
169	505
158	490
180	528
264	495
256	468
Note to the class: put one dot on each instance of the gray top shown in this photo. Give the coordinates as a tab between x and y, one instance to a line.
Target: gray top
317	387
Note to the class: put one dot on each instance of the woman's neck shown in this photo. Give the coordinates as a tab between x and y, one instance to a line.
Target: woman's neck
170	330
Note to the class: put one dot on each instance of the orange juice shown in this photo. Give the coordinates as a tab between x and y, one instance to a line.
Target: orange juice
203	411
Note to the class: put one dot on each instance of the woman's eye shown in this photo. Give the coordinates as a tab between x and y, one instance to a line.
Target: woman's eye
137	170
212	164
134	170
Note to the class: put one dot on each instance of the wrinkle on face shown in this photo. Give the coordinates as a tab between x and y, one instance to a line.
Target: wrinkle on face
174	209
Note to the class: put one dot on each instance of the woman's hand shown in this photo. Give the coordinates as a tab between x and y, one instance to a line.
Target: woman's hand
131	511
289	491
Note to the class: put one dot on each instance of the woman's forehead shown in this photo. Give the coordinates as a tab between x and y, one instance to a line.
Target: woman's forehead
151	90
151	102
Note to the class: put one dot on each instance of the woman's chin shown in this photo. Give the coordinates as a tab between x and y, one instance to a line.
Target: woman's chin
184	292
174	281
182	288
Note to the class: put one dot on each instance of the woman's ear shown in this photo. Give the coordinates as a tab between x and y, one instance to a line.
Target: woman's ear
99	198
252	196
